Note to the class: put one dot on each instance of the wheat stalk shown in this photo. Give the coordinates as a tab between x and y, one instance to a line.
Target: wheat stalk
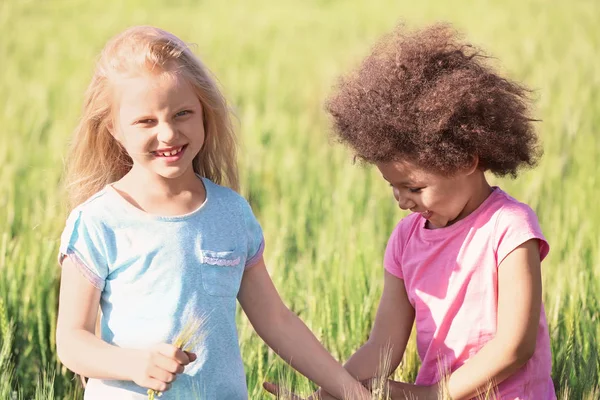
190	337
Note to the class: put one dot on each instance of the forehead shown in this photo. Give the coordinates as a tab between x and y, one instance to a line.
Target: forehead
405	172
153	92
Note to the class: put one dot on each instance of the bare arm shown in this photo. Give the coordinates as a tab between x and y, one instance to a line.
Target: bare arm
389	335
519	307
84	353
77	346
289	337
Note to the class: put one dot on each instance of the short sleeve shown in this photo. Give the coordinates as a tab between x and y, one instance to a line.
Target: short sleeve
393	251
254	234
82	243
516	224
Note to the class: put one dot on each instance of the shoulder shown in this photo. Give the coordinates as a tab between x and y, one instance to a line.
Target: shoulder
85	228
402	233
509	210
228	200
515	223
221	193
397	242
94	210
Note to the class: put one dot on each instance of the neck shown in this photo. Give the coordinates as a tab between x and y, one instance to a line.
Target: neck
144	188
480	190
162	196
142	182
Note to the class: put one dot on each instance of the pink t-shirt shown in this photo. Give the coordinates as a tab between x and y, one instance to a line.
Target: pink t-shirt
451	277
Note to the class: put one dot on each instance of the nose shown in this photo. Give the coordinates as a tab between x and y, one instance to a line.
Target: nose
166	133
403	202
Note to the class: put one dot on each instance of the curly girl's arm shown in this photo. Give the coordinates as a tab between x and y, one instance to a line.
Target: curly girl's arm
519	307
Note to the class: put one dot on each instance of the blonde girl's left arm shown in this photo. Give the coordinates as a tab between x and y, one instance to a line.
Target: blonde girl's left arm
290	338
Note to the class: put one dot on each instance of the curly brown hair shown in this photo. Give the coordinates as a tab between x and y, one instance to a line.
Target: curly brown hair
430	98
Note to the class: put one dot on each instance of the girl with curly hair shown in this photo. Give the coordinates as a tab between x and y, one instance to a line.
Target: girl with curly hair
464	266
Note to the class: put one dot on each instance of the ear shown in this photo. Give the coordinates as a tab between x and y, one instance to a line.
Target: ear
472	166
113	130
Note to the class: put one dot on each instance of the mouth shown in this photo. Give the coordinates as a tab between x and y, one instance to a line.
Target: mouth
426	214
170	152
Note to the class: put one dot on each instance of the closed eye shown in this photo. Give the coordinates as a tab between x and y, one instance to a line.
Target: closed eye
415	190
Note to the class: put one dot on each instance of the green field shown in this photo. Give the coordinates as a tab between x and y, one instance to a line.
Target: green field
326	221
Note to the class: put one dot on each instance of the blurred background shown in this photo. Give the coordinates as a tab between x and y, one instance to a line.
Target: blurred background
326	220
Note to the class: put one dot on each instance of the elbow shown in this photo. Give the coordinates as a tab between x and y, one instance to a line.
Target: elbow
525	352
522	352
62	348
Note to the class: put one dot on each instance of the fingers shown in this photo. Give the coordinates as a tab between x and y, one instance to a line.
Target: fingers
369	383
378	386
279	392
192	356
271	388
157	385
175	353
167	364
161	374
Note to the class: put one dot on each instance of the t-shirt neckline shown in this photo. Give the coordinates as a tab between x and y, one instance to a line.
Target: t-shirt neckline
442	232
130	208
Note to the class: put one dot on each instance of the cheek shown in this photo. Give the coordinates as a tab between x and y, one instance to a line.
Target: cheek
135	139
435	202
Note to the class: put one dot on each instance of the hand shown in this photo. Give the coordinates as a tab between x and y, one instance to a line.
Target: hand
278	392
400	390
157	367
286	394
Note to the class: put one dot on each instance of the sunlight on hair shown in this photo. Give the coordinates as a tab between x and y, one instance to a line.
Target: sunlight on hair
96	158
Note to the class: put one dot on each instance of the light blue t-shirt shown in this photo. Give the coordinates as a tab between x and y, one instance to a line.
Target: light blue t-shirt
158	274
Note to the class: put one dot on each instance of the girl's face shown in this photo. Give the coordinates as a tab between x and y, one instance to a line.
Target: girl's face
159	123
440	199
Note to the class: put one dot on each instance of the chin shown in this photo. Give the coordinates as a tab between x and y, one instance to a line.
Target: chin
173	174
439	223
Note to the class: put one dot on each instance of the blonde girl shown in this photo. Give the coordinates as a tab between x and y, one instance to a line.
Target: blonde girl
158	237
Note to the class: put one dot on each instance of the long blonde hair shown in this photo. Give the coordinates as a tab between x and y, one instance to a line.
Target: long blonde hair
96	159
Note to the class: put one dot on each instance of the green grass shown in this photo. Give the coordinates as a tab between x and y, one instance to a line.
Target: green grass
326	221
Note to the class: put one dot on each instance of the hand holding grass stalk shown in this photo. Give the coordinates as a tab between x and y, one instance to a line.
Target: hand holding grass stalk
282	393
390	389
191	336
285	394
381	389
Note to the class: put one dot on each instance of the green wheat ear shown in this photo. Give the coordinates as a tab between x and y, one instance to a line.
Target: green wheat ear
191	336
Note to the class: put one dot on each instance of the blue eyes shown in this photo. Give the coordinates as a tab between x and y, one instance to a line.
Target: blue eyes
150	121
182	113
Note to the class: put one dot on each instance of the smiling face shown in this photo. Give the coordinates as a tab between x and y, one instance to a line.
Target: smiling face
440	199
159	123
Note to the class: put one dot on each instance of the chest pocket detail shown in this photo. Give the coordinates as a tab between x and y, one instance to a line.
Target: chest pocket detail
222	272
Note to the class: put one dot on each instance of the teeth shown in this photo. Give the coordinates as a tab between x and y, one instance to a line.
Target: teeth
170	153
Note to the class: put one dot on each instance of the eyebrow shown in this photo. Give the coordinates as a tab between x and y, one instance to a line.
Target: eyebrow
406	183
401	183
